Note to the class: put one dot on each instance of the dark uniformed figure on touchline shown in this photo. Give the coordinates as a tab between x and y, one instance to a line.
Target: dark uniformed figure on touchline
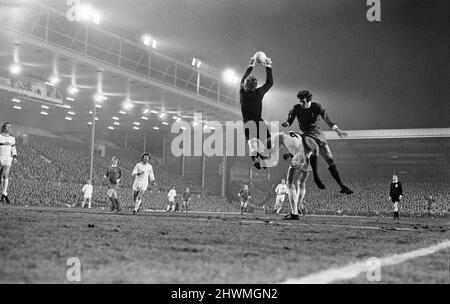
395	195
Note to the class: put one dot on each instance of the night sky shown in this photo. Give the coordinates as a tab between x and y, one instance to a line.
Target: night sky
381	75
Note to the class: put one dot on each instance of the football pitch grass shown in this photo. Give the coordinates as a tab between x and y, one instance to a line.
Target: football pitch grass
207	248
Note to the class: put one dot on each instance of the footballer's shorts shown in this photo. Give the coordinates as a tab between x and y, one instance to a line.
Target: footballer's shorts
6	162
140	186
244	203
88	197
395	206
295	172
112	191
256	129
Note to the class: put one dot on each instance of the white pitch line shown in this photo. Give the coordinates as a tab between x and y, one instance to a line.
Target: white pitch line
354	270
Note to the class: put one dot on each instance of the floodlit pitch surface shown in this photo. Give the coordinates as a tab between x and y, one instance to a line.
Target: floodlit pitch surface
211	248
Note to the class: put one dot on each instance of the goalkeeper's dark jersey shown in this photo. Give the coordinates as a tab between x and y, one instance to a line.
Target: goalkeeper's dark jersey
251	102
113	174
308	119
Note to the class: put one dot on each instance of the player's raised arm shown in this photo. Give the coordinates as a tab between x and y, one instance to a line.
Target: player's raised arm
269	76
331	124
290	119
248	71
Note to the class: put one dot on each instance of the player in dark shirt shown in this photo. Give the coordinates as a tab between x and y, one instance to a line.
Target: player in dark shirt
186	199
395	194
245	195
113	174
251	107
430	201
308	115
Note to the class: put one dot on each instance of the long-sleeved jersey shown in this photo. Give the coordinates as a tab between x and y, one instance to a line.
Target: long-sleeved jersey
251	102
308	119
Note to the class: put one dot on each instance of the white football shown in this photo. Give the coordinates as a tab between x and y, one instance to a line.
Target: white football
260	57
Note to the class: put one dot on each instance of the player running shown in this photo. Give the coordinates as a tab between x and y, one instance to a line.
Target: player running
245	195
8	157
300	148
281	191
251	107
308	115
114	173
142	172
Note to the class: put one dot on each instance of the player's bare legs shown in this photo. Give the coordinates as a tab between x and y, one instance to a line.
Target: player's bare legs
293	176
5	183
138	200
302	190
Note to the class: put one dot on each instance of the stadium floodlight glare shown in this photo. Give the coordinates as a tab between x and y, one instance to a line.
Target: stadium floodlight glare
44	113
136	128
154	44
122	112
115	118
195	124
128	105
68	118
146	111
90	123
163	116
70	99
45	107
98	106
165	123
144	118
54	80
230	77
196	63
90	112
111	127
147	39
17	107
116	123
85	12
49	84
137	123
15	69
96	17
67	106
72	90
154	112
16	100
100	97
96	118
155	128
71	113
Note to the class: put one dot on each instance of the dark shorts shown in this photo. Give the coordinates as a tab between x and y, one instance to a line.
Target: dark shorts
318	137
256	129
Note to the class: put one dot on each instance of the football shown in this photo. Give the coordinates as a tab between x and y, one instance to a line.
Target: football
260	57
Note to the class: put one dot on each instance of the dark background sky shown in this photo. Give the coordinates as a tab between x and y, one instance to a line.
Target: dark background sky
388	74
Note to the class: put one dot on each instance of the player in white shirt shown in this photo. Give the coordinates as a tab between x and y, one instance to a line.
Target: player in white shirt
281	191
142	172
300	150
171	196
87	190
8	156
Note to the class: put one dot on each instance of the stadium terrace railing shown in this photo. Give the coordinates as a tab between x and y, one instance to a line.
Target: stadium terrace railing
45	24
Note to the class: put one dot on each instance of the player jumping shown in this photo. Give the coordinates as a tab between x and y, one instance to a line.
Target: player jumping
8	156
308	116
251	107
142	172
114	173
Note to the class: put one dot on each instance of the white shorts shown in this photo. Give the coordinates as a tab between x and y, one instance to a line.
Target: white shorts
6	162
88	197
140	186
395	207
